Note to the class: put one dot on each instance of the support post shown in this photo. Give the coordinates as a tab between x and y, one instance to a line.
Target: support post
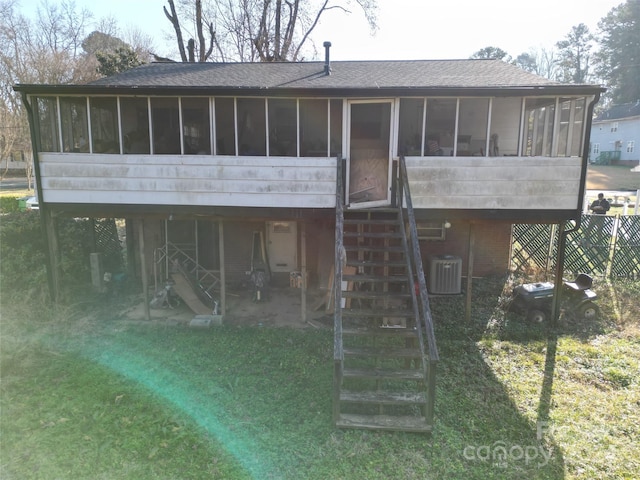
53	251
303	270
223	283
143	269
470	262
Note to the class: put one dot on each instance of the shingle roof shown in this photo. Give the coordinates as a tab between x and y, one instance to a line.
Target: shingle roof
617	112
344	75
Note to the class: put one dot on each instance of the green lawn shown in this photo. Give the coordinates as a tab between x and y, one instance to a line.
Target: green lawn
97	396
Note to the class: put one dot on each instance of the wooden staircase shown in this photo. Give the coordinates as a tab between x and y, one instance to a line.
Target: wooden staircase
383	372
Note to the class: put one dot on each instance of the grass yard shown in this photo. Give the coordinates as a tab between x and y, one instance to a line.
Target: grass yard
100	397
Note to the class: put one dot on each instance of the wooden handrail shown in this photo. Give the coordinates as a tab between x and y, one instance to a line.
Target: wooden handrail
338	353
427	318
425	309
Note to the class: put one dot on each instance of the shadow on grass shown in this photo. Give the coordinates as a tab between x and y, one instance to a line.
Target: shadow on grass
265	394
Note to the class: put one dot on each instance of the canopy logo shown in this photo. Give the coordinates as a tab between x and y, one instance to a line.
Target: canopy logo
501	454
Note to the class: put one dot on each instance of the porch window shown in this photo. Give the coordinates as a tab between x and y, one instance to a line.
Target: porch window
505	126
314	120
225	126
104	125
165	119
472	127
579	105
47	121
74	123
135	124
251	126
538	127
410	126
283	120
335	127
196	126
440	126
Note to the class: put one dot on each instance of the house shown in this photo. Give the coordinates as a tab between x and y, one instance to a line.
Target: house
354	175
615	136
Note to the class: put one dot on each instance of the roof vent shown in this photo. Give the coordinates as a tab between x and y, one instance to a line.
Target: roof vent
327	63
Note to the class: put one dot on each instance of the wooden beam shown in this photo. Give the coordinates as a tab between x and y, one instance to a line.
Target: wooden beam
143	270
303	269
470	256
223	283
53	252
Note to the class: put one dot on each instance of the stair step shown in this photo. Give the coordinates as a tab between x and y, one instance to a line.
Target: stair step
378	313
381	352
375	278
379	331
384	422
365	294
367	248
383	373
397	235
384	398
378	263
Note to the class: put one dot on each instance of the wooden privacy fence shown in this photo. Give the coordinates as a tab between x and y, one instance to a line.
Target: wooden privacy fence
604	245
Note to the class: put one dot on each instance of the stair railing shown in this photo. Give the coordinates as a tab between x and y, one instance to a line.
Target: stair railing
338	352
424	318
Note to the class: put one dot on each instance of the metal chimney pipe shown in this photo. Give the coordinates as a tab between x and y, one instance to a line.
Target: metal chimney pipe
327	63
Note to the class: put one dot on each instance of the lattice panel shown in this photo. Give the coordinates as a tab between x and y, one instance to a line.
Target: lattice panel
530	247
108	243
596	247
588	248
626	253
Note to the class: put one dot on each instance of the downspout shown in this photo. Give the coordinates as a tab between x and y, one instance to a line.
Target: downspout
555	313
43	208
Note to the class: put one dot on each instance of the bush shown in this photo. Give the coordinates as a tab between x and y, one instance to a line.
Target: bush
23	252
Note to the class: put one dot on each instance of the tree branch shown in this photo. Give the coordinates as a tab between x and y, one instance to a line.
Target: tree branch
173	18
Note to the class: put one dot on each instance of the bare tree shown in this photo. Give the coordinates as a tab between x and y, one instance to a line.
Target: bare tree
252	30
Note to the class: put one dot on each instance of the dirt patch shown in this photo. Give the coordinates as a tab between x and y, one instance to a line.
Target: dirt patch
610	177
282	308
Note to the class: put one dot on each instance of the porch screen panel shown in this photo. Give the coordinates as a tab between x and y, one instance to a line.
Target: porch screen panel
252	139
47	124
283	120
165	119
564	129
505	126
578	127
335	127
225	126
410	126
440	127
104	125
472	126
196	126
314	118
74	124
135	124
539	120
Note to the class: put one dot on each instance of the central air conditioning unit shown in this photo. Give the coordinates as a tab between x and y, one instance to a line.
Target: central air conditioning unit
445	275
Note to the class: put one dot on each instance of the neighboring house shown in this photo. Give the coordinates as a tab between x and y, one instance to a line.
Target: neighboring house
285	167
615	136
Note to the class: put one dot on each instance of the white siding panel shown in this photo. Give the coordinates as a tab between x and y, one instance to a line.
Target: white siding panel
527	183
189	180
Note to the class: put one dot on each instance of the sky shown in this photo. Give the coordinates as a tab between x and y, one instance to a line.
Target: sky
408	29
